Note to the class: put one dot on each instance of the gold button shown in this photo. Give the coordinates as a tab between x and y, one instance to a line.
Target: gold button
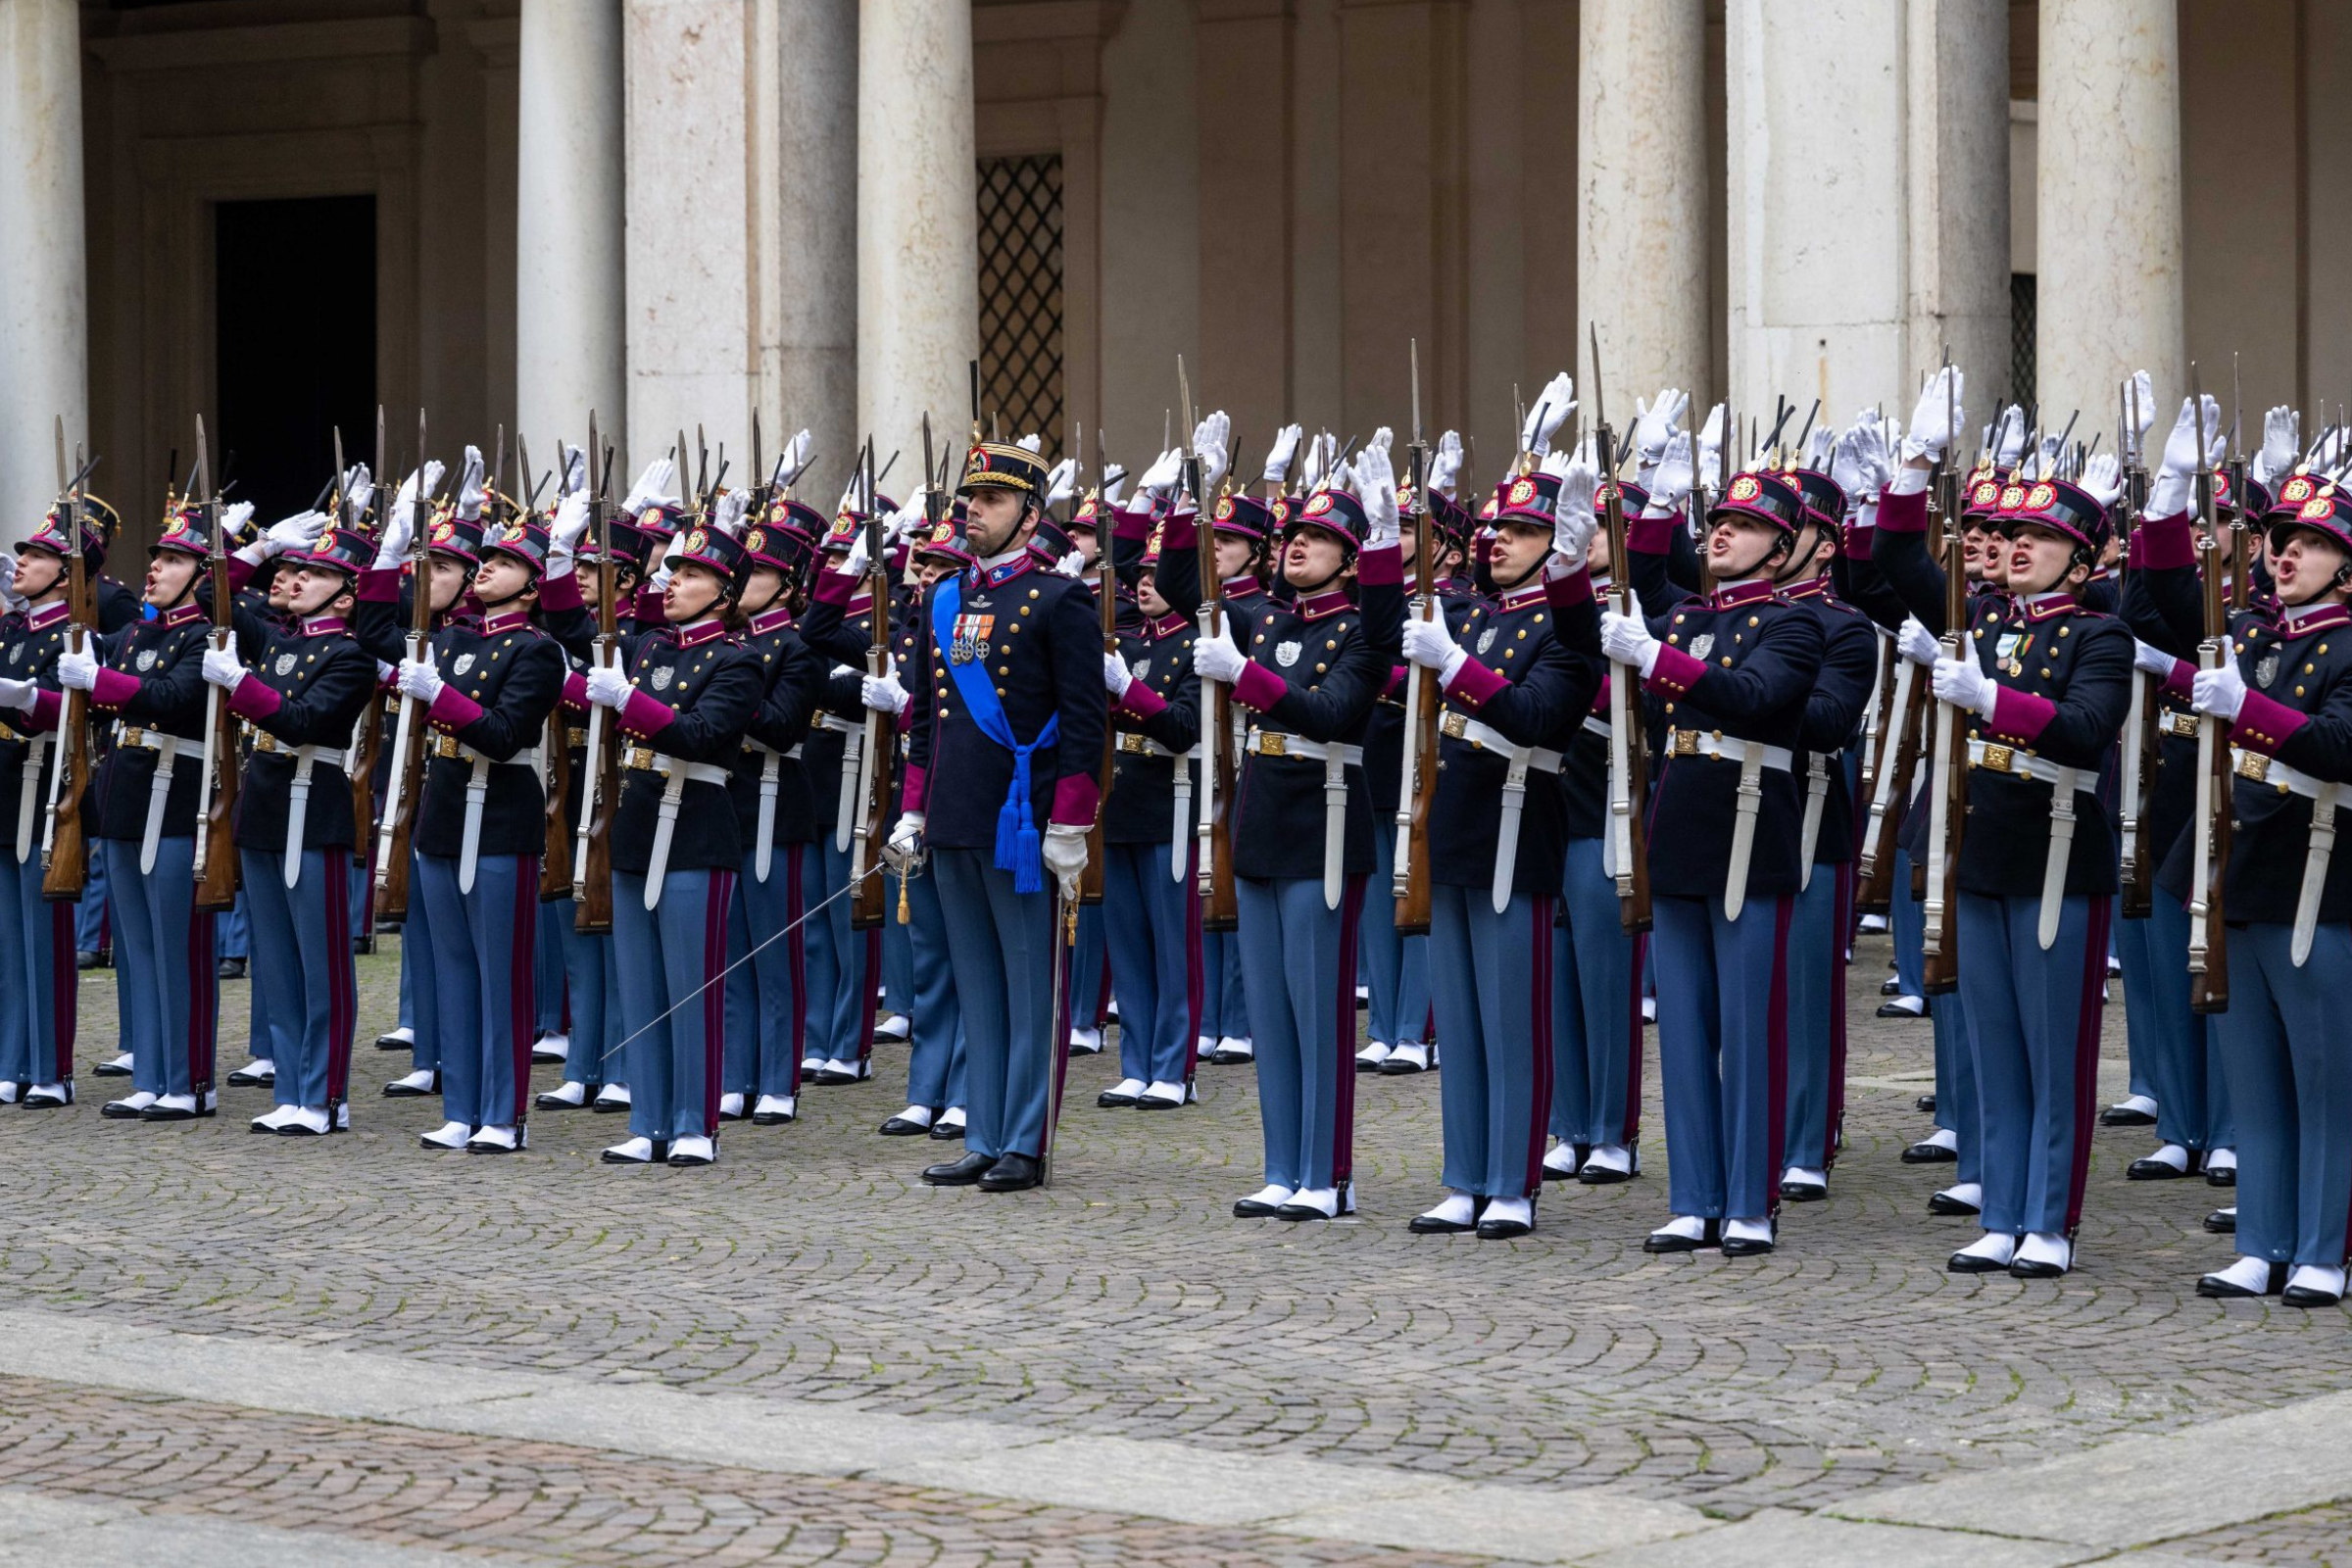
1727	661
1753	620
1320	669
1674	636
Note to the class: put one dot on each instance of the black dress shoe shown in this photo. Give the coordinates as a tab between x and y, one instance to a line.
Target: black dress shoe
2221	1175
1942	1203
1603	1175
108	1069
1973	1264
1502	1230
1112	1100
397	1090
390	1042
1896	1009
1802	1193
1751	1246
241	1079
775	1118
1011	1173
1419	1224
232	969
87	958
2119	1116
121	1110
158	1111
1582	1152
2152	1169
946	1132
2215	1289
901	1127
2220	1222
1251	1208
959	1173
2304	1295
1891	985
2024	1268
1661	1241
1925	1105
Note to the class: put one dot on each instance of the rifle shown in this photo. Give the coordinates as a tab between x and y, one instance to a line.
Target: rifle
592	855
1628	748
216	813
1090	882
2208	936
65	847
1947	800
2143	729
1905	720
413	731
1212	868
1417	791
881	729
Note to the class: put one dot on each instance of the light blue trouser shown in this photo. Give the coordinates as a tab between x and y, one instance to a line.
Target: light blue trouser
1907	927
1494	999
1148	925
416	971
1959	1111
898	953
38	987
1000	945
2173	1049
1090	967
1224	1003
478	1008
593	981
839	964
936	1053
767	1029
2290	1076
305	932
1595	1009
1396	968
550	999
1723	1051
673	1011
93	918
2033	1028
1298	962
164	966
229	930
1817	1017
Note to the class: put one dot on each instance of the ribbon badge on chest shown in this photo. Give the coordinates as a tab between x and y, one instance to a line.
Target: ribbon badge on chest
970	639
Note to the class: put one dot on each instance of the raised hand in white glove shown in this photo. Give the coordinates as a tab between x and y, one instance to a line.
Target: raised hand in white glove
1213	443
1626	640
2005	437
2281	440
77	669
1322	456
1065	855
1385	438
471	492
909	519
1061	481
9	596
795	456
1573	520
419	679
671	554
2220	692
1936	419
2168	492
1670	480
564	532
359	488
1961	683
294	535
19	693
1446	464
2151	660
726	512
2140	402
1284	453
1215	657
903	852
1553	406
1161	479
882	692
1916	643
1376	488
1115	483
1654	423
657	484
1706	454
222	667
1431	645
575	470
2104	477
1031	444
1072	564
609	685
1117	676
1819	447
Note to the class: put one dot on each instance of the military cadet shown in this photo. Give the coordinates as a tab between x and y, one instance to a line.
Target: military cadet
1076	548
765	1021
1151	892
480	833
306	684
1731	673
1303	827
683	706
2043	692
2289	701
37	997
1006	717
149	679
1517	686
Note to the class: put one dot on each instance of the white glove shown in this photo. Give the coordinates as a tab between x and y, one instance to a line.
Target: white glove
1065	855
1213	443
8	583
1117	676
1670	480
2168	492
609	685
2220	692
575	470
903	850
1654	423
2139	402
1573	521
1863	463
295	534
19	693
470	491
563	536
1376	488
1115	483
1707	453
1216	659
2104	477
419	679
1822	442
1072	564
1959	682
1916	643
76	671
1385	438
222	667
1445	465
658	483
2151	660
1429	644
1061	482
1322	456
882	692
2005	437
392	537
2281	440
726	512
384	671
1626	640
233	518
359	488
909	519
1936	419
670	554
1031	444
794	455
1553	406
1285	451
1161	479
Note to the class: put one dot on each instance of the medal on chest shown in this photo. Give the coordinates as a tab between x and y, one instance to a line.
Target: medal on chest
662	676
1486	639
970	638
2266	669
464	663
1286	654
146	660
284	664
1143	667
1702	644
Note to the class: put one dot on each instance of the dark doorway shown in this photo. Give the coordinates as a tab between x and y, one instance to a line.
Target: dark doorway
296	312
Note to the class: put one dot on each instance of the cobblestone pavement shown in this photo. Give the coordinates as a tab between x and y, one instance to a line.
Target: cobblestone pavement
1125	1302
2310	1538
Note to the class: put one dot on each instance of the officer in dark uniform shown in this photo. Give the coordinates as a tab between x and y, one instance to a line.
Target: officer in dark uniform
1241	531
1005	725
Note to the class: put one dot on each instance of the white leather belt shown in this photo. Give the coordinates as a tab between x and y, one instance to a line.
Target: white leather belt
298	795
167	749
771	771
852	759
1594	725
477	795
837	724
2256	768
1726	748
1460	726
1752	757
678	775
2065	783
1337	759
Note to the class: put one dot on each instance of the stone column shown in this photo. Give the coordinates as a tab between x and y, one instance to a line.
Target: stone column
44	308
1642	240
568	335
2109	296
918	242
1957	157
809	315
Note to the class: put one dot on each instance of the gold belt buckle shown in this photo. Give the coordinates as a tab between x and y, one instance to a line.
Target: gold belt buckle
1130	741
263	741
575	737
2183	725
1999	759
1686	742
1272	743
638	756
133	737
2254	766
445	746
1455	725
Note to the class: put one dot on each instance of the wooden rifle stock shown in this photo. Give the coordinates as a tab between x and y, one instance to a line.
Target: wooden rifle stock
67	865
1219	908
2209	934
1419	781
554	853
592	880
868	903
217	873
1948	785
1106	606
1629	745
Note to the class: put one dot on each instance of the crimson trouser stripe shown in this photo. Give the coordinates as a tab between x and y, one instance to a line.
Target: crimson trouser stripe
1538	1012
65	997
2086	1054
713	1000
523	977
1343	1137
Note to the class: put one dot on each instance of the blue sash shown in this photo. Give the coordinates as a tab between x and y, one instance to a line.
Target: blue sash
1019	847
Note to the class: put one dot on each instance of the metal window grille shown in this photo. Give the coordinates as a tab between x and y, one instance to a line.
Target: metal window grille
1020	296
2022	318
